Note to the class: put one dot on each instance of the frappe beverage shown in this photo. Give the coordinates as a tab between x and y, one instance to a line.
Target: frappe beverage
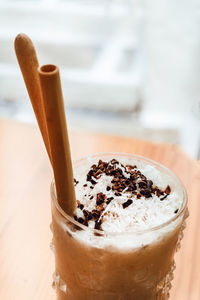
121	241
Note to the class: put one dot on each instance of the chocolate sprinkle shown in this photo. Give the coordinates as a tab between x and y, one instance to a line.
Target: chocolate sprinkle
176	211
162	198
76	181
81	206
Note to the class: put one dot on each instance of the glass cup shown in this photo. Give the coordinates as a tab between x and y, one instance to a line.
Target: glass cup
97	265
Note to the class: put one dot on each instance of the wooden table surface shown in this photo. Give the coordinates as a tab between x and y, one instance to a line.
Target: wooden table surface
26	261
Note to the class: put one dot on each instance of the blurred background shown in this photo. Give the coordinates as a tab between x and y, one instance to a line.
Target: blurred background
128	67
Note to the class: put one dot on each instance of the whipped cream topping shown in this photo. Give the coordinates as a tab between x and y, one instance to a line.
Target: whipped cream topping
116	196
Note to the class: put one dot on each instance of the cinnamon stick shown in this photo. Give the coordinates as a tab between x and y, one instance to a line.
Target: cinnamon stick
28	62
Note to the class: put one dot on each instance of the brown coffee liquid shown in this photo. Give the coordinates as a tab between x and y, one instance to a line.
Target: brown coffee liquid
92	273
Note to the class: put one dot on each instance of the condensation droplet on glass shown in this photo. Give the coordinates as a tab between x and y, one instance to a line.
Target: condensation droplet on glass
58	283
52	247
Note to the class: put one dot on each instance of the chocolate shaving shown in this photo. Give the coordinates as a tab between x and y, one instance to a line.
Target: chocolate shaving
117	187
76	181
149	183
167	190
98	224
109	200
98	234
176	211
100	198
132	187
81	206
98	172
131	167
163	198
80	220
87	214
157	192
93	181
95	214
118	194
142	184
85	222
127	203
114	161
146	193
89	176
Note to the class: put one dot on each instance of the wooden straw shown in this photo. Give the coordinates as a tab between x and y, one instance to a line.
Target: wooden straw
28	63
58	136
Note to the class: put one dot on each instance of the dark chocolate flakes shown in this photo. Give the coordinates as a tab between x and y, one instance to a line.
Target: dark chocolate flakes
136	184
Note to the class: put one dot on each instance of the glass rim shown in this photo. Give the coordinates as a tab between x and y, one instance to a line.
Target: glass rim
103	232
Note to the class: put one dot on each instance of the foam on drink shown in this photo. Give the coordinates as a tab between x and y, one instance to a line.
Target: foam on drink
122	195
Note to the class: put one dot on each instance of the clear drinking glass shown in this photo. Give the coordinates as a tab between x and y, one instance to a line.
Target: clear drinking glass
98	265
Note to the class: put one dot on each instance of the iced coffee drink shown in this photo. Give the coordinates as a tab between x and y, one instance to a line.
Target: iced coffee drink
121	241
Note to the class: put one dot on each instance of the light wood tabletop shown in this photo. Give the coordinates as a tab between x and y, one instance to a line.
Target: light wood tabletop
26	261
